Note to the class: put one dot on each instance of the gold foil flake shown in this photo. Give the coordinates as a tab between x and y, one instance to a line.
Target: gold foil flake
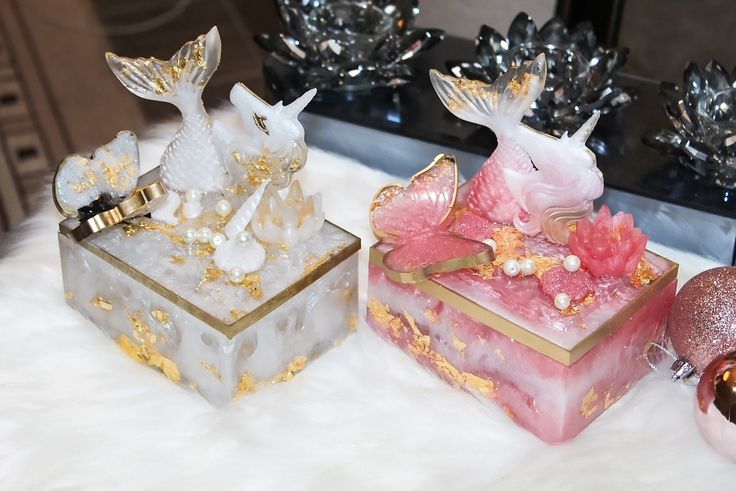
145	350
197	56
457	344
499	353
246	384
385	319
210	275
296	366
101	303
589	299
570	311
204	251
431	315
118	175
352	322
177	259
161	316
212	369
589	404
509	412
253	283
643	275
313	262
237	314
544	263
69	295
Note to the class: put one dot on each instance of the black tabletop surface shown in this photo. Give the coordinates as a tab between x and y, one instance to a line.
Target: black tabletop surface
415	112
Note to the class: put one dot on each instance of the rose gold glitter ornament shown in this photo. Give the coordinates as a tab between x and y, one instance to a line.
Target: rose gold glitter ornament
702	323
716	412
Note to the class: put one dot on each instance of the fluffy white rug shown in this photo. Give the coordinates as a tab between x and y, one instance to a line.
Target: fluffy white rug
76	413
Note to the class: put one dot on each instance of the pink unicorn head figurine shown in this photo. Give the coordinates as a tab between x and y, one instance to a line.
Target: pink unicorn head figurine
535	181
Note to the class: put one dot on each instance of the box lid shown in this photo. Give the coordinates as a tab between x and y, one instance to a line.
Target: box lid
517	307
154	255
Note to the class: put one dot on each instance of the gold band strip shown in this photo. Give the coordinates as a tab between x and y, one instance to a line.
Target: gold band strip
229	330
530	339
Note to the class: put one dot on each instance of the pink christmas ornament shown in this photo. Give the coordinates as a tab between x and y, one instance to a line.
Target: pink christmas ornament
608	246
716	411
702	323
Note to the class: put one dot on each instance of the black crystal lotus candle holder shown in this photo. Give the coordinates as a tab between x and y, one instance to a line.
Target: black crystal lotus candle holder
349	44
703	117
580	73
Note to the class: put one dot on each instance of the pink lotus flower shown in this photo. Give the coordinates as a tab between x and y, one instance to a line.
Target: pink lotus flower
608	246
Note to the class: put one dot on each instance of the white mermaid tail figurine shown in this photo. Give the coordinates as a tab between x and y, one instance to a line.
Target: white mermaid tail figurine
272	146
534	181
190	164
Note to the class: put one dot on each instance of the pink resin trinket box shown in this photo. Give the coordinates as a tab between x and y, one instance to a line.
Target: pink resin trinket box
505	286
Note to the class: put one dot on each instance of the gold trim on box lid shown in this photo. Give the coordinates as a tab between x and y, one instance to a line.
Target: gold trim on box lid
566	356
242	323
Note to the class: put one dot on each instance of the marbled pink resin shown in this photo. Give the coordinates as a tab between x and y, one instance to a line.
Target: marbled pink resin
548	398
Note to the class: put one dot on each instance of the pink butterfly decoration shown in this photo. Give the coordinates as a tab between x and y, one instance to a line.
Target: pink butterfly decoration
414	220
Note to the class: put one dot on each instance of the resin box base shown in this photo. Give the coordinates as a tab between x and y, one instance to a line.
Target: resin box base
553	373
167	306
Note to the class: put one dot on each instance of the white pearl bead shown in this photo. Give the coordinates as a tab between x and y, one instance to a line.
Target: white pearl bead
204	235
511	267
190	235
528	266
571	263
217	240
562	301
236	275
243	237
491	243
223	208
193	195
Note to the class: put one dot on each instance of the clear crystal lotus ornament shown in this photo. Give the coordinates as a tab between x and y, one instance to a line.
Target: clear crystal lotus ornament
579	71
349	44
703	117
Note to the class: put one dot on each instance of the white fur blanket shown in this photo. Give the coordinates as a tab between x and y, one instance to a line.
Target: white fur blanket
76	413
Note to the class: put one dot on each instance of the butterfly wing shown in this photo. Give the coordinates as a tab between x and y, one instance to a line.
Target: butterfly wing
112	170
443	252
421	206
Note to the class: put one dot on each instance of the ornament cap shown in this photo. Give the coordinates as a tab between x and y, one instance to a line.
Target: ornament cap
682	370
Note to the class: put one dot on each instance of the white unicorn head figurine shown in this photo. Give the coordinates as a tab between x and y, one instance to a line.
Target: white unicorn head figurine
273	145
535	181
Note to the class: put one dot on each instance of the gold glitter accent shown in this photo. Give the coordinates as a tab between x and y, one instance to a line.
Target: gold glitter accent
161	316
608	400
237	314
509	412
589	299
144	351
177	259
589	405
570	311
313	262
508	242
499	353
457	344
643	275
212	369
132	227
205	251
296	366
160	86
432	316
246	384
88	181
260	122
419	346
69	295
485	271
101	303
352	322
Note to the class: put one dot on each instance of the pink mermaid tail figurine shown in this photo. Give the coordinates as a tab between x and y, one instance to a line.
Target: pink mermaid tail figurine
534	181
